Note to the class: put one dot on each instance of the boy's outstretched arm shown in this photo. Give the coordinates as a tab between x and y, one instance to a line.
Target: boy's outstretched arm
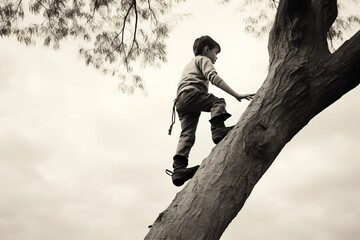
223	85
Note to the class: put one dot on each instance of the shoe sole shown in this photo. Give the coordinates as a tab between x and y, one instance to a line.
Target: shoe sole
178	182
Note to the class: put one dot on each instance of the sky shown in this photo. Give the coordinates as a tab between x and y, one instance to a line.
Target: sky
82	161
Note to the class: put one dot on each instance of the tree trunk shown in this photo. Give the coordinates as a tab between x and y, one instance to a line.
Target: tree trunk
304	78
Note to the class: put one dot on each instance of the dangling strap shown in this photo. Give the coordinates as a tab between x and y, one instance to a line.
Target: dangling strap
173	117
168	172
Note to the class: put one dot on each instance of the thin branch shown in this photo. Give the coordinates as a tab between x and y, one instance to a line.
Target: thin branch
135	30
91	17
42	5
122	32
15	12
275	3
124	23
152	13
47	14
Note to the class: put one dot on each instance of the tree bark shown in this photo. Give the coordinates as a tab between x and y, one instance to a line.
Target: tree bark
303	79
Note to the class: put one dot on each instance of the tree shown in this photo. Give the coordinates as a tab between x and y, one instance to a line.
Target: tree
304	78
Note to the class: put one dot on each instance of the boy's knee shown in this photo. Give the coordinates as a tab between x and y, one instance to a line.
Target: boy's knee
220	101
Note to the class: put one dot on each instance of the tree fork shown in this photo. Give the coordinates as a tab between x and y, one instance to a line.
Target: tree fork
303	79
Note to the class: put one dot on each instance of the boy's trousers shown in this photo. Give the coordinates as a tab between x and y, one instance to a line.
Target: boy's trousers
189	104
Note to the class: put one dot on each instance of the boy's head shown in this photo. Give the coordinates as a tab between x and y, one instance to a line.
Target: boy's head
202	42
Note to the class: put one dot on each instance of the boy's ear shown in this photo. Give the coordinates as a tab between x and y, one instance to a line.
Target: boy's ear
205	50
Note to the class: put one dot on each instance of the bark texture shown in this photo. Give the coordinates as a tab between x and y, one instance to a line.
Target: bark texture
303	79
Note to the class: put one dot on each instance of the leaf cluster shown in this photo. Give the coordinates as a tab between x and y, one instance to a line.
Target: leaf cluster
118	35
113	33
258	15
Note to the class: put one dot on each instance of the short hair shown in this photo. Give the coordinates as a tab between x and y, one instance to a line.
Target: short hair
202	42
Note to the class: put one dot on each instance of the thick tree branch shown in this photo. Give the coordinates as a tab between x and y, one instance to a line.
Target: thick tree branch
302	24
291	9
347	55
324	14
291	26
327	13
340	74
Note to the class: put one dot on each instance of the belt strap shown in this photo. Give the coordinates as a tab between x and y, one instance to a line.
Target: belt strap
173	117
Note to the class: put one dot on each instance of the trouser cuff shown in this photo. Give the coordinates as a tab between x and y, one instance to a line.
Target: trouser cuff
180	162
219	118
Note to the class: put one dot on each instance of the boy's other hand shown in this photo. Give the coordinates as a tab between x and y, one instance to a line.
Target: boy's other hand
248	97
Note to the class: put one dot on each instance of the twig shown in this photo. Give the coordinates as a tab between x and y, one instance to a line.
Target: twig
152	12
15	12
276	3
47	14
135	30
122	32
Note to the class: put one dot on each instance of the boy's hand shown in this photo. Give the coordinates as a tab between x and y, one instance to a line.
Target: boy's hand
244	96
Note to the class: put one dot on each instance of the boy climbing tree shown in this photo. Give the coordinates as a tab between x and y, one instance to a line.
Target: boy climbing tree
193	98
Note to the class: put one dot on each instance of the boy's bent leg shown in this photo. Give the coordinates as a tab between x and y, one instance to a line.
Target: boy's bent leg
218	110
217	106
207	102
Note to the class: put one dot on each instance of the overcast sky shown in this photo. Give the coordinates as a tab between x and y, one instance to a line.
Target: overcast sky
79	160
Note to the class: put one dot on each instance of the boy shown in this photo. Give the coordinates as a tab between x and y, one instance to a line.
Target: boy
193	98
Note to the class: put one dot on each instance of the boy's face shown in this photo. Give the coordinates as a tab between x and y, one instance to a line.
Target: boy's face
211	53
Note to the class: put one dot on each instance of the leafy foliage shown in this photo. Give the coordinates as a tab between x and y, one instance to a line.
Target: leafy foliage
113	33
343	23
259	24
117	35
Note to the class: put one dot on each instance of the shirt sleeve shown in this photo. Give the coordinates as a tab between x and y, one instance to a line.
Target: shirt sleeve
207	68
